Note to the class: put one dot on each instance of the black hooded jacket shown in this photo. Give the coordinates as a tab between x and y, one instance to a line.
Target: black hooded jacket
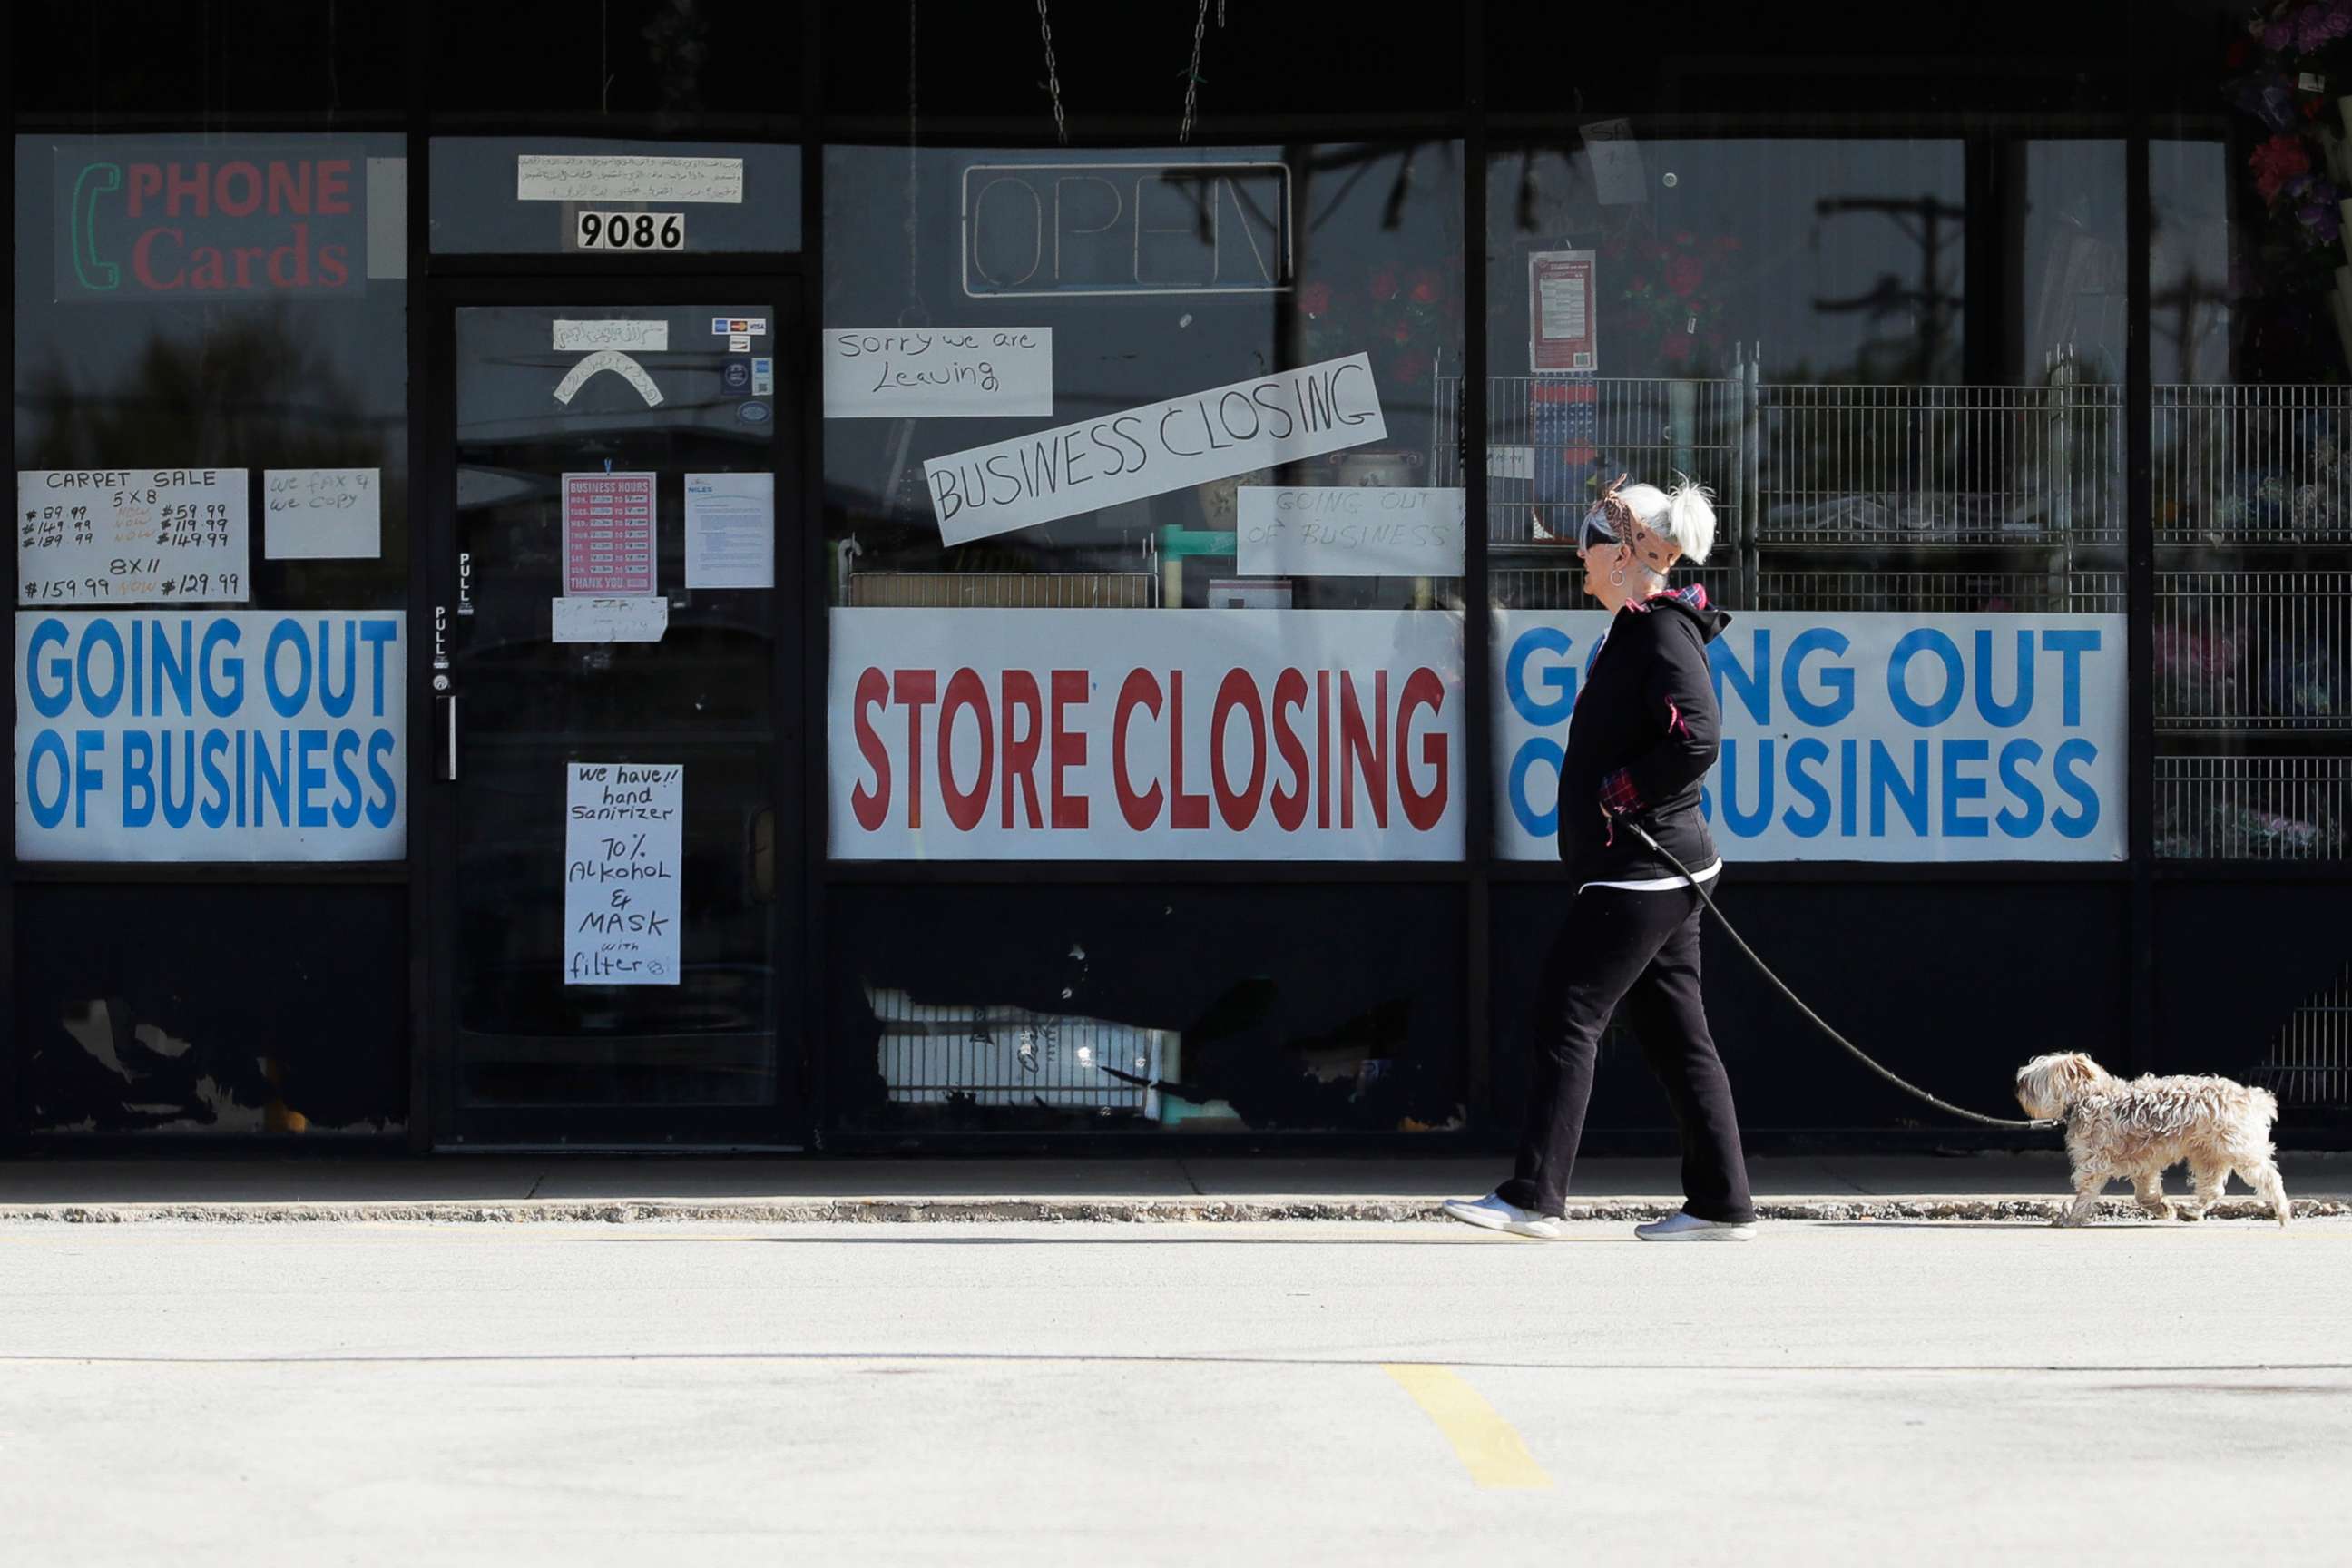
1642	738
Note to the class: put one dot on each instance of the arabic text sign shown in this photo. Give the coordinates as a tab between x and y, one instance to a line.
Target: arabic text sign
1348	531
635	337
1158	447
624	836
891	373
1858	737
1139	735
116	536
626	177
211	735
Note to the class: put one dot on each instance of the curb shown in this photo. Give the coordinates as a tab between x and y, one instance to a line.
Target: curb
1142	1210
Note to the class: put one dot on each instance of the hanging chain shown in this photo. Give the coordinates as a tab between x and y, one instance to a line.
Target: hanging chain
914	169
1193	71
1053	77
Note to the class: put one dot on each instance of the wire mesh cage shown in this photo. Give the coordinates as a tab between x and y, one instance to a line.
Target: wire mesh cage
2252	808
1003	590
2253	650
1554	442
934	1052
2252	464
1844	466
1943	593
2310	1059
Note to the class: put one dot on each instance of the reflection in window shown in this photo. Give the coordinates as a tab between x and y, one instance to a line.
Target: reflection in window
1158	274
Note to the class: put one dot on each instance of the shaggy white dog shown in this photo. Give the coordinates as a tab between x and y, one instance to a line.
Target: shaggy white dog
2135	1129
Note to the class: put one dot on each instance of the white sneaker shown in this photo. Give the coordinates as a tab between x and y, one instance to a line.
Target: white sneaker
1491	1213
1690	1227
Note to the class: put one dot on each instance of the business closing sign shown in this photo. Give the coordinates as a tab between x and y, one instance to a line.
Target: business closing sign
1858	737
1143	735
211	735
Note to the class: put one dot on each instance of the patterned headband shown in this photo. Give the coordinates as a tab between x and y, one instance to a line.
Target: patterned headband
1654	552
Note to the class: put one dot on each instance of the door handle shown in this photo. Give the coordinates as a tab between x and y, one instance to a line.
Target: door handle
763	856
445	714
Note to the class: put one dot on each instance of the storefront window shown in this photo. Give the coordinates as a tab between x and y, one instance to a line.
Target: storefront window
1896	363
212	546
1145	546
1067	396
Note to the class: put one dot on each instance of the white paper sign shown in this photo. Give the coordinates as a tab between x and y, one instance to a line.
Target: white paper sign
639	619
636	337
731	530
625	177
322	514
132	536
893	374
1348	531
1139	735
1857	736
1158	447
623	843
212	735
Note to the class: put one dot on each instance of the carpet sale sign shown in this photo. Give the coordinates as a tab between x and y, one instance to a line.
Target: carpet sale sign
1857	737
1145	735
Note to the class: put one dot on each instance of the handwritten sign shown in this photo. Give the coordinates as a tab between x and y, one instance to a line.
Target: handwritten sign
322	514
643	619
625	177
608	534
1348	531
636	337
891	373
1158	447
136	536
623	850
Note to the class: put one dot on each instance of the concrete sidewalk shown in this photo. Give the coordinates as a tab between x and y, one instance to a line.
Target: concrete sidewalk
744	1190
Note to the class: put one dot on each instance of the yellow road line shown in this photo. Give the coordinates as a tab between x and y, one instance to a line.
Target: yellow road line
1488	1446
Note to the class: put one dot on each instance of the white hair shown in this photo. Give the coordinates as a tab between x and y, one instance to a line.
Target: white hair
1683	517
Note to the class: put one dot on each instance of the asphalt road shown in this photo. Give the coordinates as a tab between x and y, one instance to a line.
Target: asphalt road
2132	1394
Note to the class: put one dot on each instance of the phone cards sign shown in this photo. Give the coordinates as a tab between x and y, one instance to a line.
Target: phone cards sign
142	223
1857	737
237	735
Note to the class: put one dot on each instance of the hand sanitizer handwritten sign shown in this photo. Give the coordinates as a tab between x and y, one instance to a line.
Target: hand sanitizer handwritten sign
622	851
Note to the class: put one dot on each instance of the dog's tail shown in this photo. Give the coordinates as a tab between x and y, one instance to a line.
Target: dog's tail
2266	1108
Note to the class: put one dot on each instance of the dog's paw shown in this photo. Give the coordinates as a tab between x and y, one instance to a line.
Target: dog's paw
2189	1216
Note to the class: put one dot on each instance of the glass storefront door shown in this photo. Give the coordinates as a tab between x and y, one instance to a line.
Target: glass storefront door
615	668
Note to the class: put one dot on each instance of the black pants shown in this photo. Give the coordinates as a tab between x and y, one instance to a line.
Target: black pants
1640	949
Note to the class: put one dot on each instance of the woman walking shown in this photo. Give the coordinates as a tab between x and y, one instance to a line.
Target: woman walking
1640	742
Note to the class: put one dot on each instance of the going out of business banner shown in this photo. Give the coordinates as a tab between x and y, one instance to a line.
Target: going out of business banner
177	734
1145	734
1857	737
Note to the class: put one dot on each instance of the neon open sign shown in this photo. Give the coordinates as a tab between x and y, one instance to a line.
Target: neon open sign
1032	229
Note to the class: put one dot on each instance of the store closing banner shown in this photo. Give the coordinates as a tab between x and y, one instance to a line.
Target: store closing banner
1858	737
211	735
1145	735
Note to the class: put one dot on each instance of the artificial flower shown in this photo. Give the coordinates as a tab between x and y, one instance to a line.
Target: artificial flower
2276	161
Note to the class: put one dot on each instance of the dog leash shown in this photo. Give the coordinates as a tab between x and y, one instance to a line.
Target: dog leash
1819	1022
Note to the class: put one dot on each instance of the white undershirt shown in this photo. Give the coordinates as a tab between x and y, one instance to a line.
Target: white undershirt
1659	884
